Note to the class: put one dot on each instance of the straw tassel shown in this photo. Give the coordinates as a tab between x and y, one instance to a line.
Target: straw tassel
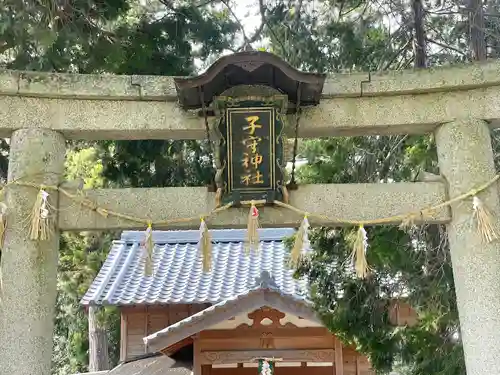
252	241
408	222
205	246
218	197
358	255
40	225
286	194
149	248
301	239
3	222
483	220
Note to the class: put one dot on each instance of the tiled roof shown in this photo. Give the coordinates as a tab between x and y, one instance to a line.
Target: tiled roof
178	276
153	364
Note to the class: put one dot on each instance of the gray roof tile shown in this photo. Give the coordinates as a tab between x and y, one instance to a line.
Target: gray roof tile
178	276
155	364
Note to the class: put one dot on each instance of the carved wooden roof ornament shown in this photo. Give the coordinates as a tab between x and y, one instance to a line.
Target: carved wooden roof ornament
265	281
249	68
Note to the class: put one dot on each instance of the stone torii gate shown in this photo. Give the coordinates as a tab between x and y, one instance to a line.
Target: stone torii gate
40	111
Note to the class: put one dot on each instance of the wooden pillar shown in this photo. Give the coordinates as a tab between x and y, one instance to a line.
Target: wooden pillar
206	369
29	268
123	335
196	355
466	161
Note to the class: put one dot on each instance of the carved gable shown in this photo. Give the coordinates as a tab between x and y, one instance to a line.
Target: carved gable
265	317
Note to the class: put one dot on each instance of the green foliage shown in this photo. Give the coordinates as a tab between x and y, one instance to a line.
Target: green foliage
118	36
331	37
151	163
51	36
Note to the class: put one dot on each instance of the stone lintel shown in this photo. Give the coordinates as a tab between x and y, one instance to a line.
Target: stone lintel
444	78
346	201
118	119
123	87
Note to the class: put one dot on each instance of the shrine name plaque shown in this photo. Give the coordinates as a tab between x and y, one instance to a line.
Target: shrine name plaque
251	148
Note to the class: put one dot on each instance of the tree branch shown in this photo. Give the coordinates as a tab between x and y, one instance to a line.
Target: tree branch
258	32
446	46
226	3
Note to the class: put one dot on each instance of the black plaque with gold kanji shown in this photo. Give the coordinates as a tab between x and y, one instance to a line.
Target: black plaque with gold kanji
251	149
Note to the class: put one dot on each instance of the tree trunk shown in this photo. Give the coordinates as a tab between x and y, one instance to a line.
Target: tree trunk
419	34
492	40
98	343
476	30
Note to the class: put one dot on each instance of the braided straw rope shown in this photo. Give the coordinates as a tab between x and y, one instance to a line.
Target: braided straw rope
85	202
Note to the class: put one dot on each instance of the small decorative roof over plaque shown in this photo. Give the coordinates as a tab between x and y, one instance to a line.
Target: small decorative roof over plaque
249	68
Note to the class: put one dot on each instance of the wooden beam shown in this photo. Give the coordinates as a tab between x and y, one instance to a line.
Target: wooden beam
346	201
172	349
289	355
255	332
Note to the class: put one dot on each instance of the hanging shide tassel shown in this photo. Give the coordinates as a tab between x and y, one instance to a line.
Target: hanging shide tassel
3	222
252	240
358	255
301	240
205	246
483	221
103	212
149	248
218	197
40	225
286	194
408	222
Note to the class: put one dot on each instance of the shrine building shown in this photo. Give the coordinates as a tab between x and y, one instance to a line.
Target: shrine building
246	312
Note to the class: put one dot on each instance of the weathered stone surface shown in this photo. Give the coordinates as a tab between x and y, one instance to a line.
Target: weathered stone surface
139	107
399	114
456	77
9	81
29	268
446	78
101	119
90	86
344	85
349	201
115	119
466	160
155	87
